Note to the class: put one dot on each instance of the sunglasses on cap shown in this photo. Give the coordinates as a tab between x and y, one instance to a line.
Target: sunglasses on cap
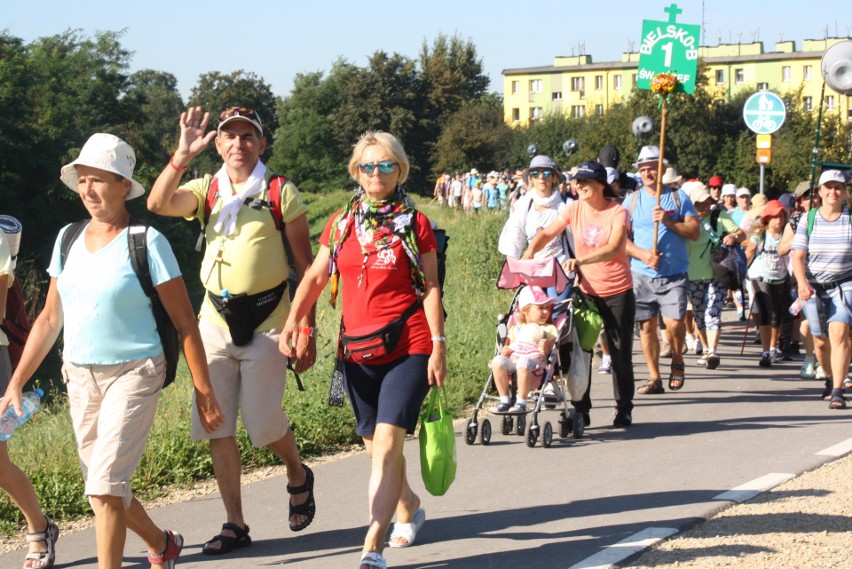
385	167
238	112
545	174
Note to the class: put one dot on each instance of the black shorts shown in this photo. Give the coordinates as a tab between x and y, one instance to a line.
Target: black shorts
387	393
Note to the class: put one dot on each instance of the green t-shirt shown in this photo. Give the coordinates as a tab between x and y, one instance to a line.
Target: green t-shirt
699	250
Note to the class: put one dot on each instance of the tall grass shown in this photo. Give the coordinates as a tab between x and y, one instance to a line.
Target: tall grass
45	447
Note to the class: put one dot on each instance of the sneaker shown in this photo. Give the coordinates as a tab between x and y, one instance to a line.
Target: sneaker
699	348
606	365
623	419
174	545
702	359
713	361
500	408
690	342
808	370
740	315
765	360
820	373
518	409
776	356
665	349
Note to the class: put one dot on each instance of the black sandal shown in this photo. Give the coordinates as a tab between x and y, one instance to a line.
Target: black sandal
309	507
680	377
653	387
229	543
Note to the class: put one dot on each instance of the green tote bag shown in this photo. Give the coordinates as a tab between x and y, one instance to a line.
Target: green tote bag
437	445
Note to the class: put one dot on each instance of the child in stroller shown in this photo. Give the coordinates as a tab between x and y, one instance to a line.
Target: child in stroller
526	350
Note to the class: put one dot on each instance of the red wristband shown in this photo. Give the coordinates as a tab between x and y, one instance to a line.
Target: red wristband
175	166
308	331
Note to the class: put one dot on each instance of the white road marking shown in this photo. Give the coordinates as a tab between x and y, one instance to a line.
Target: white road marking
838	449
623	549
757	486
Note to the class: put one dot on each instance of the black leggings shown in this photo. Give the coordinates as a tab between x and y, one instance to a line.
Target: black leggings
618	312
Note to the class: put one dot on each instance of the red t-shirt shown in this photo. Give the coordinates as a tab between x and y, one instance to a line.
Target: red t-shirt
386	289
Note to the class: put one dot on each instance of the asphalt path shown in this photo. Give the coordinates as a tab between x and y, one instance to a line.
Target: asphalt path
730	433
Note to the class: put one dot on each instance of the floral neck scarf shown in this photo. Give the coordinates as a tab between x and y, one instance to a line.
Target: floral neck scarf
378	225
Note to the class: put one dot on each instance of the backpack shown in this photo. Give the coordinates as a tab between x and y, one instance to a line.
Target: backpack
728	262
137	243
812	219
275	184
16	325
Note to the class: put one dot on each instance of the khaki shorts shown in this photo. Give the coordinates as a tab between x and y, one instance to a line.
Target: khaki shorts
249	379
112	410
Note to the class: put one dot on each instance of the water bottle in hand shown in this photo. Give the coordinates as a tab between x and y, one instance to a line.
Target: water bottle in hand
10	421
797	306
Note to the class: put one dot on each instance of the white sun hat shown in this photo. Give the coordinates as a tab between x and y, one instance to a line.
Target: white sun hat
105	152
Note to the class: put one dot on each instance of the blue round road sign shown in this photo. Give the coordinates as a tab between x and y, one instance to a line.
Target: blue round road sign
764	112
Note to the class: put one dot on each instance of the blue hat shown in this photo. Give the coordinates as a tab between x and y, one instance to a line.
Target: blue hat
590	170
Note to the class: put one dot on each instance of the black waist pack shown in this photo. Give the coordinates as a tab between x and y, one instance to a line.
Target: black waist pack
362	346
245	312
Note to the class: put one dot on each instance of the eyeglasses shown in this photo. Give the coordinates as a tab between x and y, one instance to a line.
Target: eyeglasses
385	167
545	174
238	112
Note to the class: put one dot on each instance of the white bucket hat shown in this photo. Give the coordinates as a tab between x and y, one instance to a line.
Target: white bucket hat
648	154
105	152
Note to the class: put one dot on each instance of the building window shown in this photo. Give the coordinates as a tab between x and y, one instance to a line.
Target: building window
809	103
516	114
599	82
808	72
763	86
557	96
739	76
536	113
634	78
535	86
720	77
616	81
599	110
578	111
829	103
849	115
786	74
578	84
516	87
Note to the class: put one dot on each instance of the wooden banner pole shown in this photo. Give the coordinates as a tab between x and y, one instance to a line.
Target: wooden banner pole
660	170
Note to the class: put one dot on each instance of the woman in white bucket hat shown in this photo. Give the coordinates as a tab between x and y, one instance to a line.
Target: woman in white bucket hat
114	365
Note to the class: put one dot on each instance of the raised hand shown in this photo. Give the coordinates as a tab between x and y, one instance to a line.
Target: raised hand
194	137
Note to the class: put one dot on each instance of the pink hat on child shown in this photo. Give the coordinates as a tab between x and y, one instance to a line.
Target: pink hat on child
532	295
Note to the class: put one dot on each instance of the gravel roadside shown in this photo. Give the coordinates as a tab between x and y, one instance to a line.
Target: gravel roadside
803	523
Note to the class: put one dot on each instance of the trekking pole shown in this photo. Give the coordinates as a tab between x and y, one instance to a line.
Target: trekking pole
748	323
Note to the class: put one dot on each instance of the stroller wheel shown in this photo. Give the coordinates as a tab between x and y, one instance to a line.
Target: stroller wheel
507	425
532	436
578	426
522	425
547	435
564	425
485	435
470	432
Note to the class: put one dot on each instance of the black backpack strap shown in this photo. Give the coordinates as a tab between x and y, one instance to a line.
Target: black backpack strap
71	234
137	243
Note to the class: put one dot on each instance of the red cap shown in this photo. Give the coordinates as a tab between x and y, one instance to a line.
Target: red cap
772	209
715	181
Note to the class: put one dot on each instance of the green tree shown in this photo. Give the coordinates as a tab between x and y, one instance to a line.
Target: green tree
474	136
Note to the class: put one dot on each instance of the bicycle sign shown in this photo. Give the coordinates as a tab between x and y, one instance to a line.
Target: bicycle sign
764	112
669	47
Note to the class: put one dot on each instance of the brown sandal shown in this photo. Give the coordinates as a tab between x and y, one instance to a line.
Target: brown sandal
677	375
653	387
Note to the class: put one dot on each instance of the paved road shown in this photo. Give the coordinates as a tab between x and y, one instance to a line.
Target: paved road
737	427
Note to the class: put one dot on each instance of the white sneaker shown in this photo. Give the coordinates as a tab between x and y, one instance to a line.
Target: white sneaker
699	348
702	359
606	365
690	342
820	374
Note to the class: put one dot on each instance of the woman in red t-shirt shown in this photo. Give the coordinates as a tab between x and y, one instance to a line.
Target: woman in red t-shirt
384	251
600	228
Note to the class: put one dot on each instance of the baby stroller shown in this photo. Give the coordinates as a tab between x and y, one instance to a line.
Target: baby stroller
554	384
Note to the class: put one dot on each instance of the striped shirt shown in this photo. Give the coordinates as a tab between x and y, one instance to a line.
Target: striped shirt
829	248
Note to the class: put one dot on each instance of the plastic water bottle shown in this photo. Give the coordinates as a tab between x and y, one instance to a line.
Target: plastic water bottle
10	421
797	305
225	294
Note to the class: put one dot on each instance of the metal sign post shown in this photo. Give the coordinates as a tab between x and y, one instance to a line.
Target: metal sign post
764	113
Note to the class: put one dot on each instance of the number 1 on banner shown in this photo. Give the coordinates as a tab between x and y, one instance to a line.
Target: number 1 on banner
668	49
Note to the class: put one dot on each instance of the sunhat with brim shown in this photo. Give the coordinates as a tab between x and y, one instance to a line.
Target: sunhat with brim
647	155
696	191
771	209
542	162
105	152
802	189
672	177
758	203
533	295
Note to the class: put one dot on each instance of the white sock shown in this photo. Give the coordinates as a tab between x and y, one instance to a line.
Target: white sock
521	402
505	399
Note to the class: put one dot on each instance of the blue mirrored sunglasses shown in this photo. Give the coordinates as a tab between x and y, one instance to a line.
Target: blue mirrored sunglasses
541	174
385	167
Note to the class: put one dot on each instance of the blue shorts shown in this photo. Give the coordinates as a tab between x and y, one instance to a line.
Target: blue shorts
387	393
826	306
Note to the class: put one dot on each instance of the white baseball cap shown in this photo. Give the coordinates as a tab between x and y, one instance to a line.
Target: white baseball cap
832	176
105	152
743	192
729	190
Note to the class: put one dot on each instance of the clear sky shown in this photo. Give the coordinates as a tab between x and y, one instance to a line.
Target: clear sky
278	39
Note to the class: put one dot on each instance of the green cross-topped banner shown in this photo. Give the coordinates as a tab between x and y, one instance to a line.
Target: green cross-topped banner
669	47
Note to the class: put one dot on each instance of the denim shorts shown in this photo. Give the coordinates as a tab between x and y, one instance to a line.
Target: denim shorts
826	306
